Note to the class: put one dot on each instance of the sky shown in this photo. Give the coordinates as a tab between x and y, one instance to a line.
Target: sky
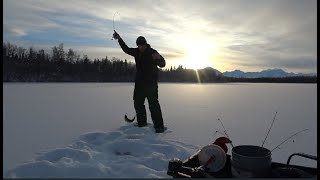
226	35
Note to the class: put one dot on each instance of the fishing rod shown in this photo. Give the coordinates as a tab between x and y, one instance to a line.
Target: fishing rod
288	138
114	30
274	118
214	135
225	131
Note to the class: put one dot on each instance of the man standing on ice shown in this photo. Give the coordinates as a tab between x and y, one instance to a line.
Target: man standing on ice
146	80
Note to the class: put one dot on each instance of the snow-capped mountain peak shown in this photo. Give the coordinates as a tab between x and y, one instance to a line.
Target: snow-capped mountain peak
264	73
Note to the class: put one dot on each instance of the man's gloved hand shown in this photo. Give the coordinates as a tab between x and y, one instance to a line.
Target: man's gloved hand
116	35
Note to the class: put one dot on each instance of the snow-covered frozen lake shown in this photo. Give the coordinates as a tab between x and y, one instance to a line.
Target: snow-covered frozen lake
44	120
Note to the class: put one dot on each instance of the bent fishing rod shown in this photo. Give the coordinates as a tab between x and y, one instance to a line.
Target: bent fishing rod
289	138
114	29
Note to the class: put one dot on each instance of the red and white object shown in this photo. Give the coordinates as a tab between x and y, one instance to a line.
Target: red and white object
212	157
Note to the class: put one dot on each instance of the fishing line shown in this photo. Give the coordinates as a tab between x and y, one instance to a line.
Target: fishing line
274	118
114	29
113	19
289	138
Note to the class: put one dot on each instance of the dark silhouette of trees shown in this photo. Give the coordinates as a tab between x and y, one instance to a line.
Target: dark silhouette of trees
21	65
30	65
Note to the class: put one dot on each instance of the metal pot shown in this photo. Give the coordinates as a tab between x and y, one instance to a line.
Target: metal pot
250	161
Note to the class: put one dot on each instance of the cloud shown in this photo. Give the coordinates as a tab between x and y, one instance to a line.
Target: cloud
258	57
240	29
13	31
24	17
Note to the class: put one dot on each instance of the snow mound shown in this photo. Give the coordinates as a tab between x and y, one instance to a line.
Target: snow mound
129	152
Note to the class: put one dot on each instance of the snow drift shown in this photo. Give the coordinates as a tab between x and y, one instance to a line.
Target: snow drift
129	152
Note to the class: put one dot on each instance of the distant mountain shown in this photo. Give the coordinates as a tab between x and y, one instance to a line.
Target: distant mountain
264	73
210	69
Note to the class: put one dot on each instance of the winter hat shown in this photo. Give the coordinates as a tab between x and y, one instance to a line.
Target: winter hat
141	41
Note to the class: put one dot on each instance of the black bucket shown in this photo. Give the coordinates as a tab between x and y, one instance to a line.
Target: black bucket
250	161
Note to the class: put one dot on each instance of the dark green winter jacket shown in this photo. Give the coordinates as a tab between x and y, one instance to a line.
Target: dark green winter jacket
146	67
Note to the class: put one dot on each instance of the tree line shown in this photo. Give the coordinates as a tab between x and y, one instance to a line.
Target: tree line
58	65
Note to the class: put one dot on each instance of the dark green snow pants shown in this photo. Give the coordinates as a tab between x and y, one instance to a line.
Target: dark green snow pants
141	92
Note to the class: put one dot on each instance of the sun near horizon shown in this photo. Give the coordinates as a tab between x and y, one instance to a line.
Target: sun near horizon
198	53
